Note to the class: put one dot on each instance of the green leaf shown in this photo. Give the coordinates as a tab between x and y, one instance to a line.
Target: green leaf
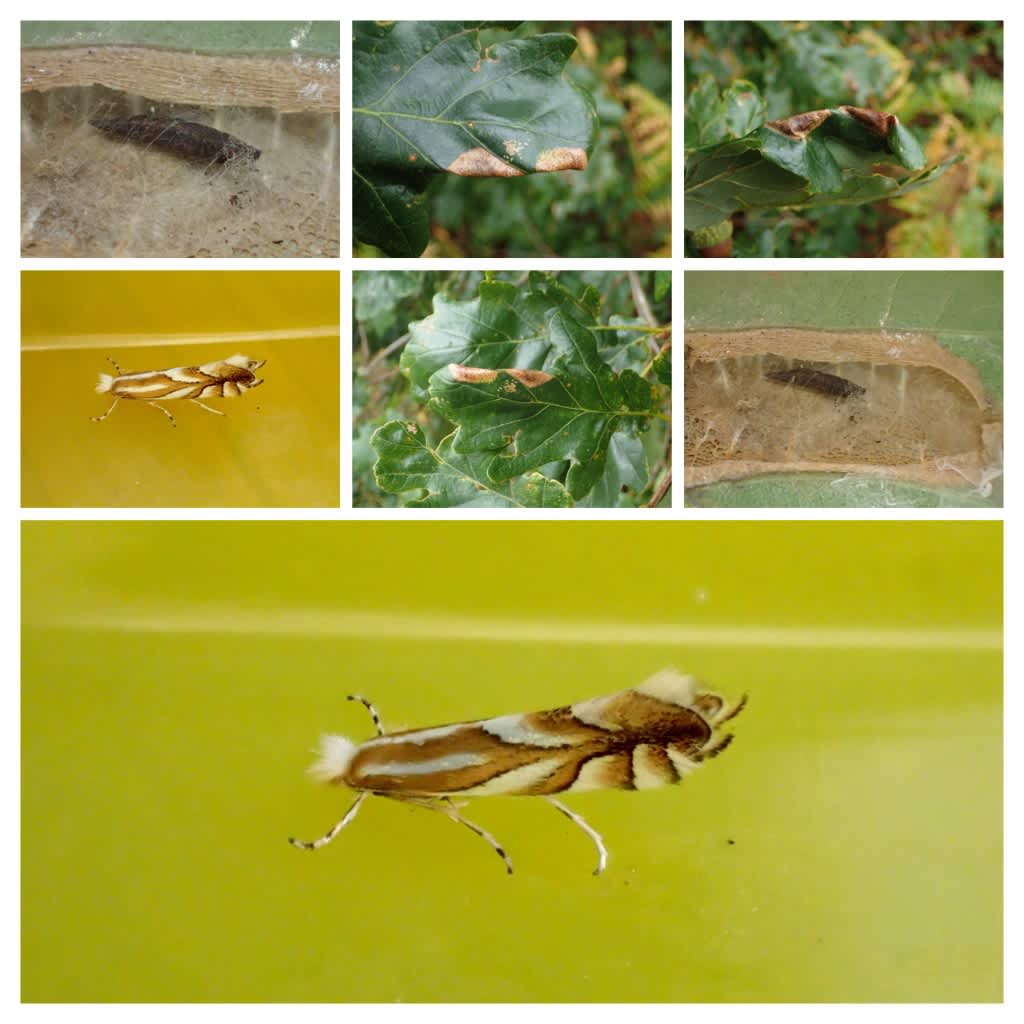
662	284
505	326
625	470
811	159
531	417
428	98
389	211
744	108
444	478
662	366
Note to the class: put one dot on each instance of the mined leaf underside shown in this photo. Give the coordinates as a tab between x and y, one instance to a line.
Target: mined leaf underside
428	98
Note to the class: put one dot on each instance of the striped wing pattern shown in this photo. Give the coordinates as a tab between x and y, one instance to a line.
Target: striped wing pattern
640	738
211	380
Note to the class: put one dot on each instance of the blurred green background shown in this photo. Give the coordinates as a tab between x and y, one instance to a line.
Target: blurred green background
275	446
944	80
848	847
621	205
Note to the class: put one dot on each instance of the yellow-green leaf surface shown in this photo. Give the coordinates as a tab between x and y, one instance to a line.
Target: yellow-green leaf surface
848	846
429	98
276	445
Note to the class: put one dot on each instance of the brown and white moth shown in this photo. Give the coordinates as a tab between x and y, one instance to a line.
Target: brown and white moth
225	378
651	735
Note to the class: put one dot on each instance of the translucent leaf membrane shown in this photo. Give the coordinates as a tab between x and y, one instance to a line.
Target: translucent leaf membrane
88	191
777	400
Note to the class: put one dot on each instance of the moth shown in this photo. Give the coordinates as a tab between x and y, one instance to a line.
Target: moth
225	378
817	380
651	735
188	139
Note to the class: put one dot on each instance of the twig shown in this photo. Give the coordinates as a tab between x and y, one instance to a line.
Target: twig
662	490
364	342
650	362
385	352
643	307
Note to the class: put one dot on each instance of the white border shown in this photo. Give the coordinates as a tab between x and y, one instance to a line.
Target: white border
317	9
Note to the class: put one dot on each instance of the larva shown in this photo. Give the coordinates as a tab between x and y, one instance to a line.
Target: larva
188	139
817	380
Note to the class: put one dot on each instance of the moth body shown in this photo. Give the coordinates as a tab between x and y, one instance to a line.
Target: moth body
224	378
648	736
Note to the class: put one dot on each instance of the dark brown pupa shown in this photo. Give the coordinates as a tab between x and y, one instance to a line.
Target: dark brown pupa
817	380
187	139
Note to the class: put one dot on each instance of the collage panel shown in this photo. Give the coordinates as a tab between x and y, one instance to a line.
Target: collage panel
844	139
510	389
858	389
864	773
121	371
180	139
512	139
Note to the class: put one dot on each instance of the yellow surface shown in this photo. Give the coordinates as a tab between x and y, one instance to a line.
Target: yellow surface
275	446
847	846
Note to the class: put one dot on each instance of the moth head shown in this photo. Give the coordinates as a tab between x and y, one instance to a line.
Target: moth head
245	362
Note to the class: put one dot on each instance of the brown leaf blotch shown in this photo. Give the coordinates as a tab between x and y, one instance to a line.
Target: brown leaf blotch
876	121
481	163
531	378
799	126
471	374
562	159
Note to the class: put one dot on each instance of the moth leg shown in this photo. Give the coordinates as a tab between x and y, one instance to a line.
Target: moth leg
164	411
602	853
325	839
448	808
216	412
369	707
113	406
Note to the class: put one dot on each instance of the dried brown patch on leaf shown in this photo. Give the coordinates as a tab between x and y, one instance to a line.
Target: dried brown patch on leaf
471	374
481	375
481	163
877	122
799	126
565	158
531	378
